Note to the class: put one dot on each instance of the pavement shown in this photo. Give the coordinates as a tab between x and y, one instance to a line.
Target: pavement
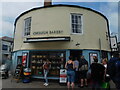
36	83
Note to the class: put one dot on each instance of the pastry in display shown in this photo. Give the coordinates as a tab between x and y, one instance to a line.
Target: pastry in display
38	61
33	61
44	56
37	56
33	67
38	67
40	56
33	56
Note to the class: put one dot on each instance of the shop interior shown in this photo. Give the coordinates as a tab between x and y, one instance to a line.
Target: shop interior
37	58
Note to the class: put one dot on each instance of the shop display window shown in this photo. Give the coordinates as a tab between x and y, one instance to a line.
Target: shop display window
57	60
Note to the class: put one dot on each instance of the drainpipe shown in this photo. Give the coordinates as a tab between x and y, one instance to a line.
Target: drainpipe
100	49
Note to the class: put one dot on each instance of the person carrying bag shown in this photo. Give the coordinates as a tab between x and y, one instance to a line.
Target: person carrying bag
83	68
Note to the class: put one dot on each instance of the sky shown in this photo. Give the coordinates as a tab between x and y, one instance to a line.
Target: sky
10	10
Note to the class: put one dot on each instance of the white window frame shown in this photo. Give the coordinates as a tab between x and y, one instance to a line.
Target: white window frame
27	28
81	23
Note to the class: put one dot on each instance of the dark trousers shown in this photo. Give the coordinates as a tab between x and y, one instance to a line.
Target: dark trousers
95	85
117	84
76	76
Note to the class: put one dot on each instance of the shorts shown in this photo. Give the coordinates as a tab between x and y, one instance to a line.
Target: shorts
71	76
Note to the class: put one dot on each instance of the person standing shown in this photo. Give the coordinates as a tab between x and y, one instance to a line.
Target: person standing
76	62
104	62
114	69
97	73
83	68
70	72
46	67
107	76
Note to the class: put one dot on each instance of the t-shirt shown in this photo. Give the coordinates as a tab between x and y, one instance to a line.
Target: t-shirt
46	66
105	65
97	71
76	63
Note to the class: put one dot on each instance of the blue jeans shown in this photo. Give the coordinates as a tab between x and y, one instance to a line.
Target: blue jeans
45	75
71	76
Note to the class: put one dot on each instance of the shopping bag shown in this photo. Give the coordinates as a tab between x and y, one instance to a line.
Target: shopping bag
105	85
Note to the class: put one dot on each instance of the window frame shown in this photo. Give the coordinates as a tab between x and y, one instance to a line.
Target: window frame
27	26
5	47
77	14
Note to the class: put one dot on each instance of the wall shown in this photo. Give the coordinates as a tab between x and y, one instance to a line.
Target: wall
58	18
0	51
86	54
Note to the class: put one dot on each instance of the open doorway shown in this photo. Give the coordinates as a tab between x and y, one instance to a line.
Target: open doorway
76	53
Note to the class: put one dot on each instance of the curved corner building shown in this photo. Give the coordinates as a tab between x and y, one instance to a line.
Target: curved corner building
56	32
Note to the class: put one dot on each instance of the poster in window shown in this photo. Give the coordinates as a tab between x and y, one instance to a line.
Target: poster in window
91	55
24	59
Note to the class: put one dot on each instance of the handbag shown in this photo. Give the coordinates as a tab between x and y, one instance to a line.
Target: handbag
83	67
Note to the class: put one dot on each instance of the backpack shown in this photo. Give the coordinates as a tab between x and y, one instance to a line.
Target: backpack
83	65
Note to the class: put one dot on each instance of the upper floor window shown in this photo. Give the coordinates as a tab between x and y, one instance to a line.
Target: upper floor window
4	47
76	23
27	26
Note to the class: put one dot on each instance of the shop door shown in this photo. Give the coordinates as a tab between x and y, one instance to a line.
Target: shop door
75	53
19	60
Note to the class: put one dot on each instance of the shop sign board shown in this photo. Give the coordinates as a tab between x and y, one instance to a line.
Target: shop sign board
48	32
63	76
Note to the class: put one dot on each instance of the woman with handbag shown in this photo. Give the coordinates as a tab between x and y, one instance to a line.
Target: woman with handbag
83	68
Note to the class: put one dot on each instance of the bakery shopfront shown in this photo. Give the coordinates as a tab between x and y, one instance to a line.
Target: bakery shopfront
57	59
56	32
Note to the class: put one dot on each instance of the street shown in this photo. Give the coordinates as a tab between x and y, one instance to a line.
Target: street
36	83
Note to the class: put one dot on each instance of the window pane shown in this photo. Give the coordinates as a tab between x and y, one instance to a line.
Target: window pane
27	26
4	47
76	23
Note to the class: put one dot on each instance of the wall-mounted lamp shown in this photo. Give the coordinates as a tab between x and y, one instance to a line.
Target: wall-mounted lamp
77	44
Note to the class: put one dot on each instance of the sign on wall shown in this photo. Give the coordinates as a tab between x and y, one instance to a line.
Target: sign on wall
91	55
114	45
48	32
24	59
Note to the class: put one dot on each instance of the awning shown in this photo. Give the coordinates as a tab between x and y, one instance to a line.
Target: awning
46	39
